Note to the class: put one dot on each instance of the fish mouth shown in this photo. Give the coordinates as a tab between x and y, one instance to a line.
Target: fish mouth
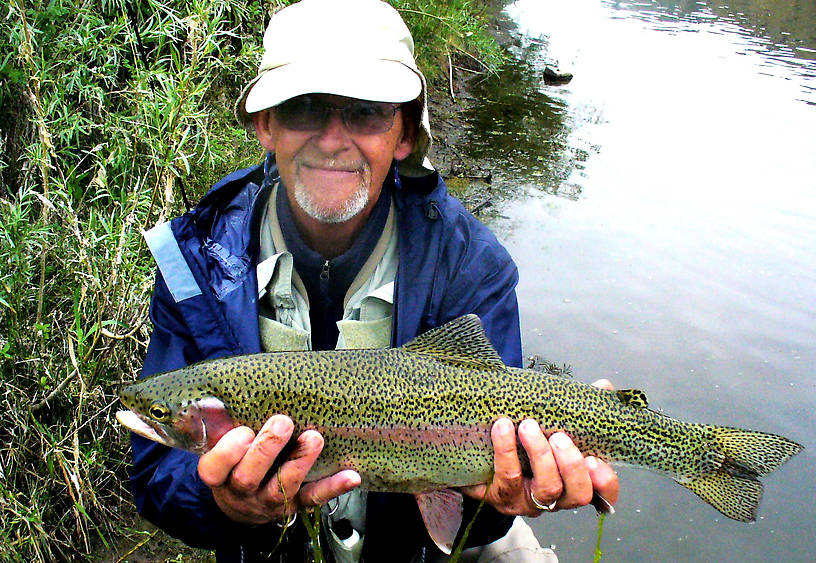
138	425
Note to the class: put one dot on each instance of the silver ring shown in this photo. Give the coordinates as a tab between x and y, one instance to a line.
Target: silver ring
291	520
542	507
336	506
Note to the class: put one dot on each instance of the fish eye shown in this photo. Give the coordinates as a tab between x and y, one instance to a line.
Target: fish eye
159	412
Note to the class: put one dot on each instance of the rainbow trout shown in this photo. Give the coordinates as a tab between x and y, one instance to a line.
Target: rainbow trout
417	419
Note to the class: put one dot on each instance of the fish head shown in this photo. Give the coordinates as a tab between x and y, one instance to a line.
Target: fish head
194	423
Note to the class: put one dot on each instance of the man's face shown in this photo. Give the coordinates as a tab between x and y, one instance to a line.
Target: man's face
331	173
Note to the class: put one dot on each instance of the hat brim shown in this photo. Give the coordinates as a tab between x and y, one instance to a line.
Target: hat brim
376	80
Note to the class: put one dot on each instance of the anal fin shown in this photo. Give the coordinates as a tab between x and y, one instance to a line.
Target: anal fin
442	514
735	496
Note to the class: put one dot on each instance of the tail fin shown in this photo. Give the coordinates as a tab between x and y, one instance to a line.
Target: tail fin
733	487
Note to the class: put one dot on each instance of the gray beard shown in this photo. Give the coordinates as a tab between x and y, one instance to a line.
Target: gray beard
351	207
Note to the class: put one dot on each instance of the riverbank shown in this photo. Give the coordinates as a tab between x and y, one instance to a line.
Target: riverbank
451	99
491	128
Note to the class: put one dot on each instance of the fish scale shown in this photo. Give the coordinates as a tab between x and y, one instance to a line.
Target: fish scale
417	418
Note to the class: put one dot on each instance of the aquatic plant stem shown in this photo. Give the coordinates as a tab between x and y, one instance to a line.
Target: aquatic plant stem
137	546
311	520
286	523
598	552
461	545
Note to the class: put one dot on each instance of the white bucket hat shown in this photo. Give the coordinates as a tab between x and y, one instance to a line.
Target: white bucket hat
355	48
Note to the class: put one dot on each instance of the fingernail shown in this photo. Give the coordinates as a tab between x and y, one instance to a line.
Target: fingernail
352	479
279	425
592	463
529	426
560	440
243	433
312	439
504	426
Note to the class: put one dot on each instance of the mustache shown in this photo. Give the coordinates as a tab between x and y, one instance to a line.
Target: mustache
333	164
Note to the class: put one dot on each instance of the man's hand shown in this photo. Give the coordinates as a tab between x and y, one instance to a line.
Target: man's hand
561	474
236	470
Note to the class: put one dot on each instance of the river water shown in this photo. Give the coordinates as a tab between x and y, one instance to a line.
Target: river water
662	210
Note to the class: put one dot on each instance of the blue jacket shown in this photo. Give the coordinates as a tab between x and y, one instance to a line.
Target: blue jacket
205	306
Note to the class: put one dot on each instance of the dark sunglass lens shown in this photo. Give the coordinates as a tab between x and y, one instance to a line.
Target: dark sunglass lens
369	118
302	113
307	113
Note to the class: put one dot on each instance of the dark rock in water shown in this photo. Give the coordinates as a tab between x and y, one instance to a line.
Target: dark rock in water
553	76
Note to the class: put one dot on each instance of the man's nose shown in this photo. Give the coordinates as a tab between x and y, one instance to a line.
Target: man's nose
334	136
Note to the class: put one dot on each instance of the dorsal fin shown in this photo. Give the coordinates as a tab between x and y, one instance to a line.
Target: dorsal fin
633	397
461	342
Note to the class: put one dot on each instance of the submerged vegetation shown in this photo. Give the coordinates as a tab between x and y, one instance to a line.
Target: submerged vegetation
115	115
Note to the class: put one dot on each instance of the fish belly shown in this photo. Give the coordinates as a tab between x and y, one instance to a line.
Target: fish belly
407	460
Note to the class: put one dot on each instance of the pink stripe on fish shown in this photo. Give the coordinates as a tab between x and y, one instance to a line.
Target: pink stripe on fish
441	435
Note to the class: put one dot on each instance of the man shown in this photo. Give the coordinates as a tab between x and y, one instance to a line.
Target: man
344	237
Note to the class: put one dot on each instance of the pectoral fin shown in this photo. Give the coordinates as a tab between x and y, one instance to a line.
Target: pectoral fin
442	513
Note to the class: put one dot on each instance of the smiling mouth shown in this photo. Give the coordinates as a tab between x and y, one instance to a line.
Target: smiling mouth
348	167
332	170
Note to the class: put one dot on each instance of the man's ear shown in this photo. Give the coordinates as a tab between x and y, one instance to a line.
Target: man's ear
263	129
410	125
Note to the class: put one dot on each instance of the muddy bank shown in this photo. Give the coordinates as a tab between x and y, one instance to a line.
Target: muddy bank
467	177
490	129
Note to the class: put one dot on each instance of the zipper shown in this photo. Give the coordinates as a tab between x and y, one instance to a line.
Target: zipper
432	210
324	272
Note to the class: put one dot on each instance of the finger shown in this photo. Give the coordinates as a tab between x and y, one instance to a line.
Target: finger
573	470
214	467
507	479
265	448
320	492
546	485
284	486
604	479
604	384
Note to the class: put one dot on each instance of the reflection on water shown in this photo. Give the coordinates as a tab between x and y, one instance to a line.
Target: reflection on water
521	130
783	33
682	261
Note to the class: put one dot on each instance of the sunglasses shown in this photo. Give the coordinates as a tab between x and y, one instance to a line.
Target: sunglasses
310	113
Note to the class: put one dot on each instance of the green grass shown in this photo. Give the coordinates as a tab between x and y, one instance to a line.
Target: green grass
113	113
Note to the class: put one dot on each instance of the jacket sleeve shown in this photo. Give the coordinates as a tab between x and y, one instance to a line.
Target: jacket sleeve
166	487
482	279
